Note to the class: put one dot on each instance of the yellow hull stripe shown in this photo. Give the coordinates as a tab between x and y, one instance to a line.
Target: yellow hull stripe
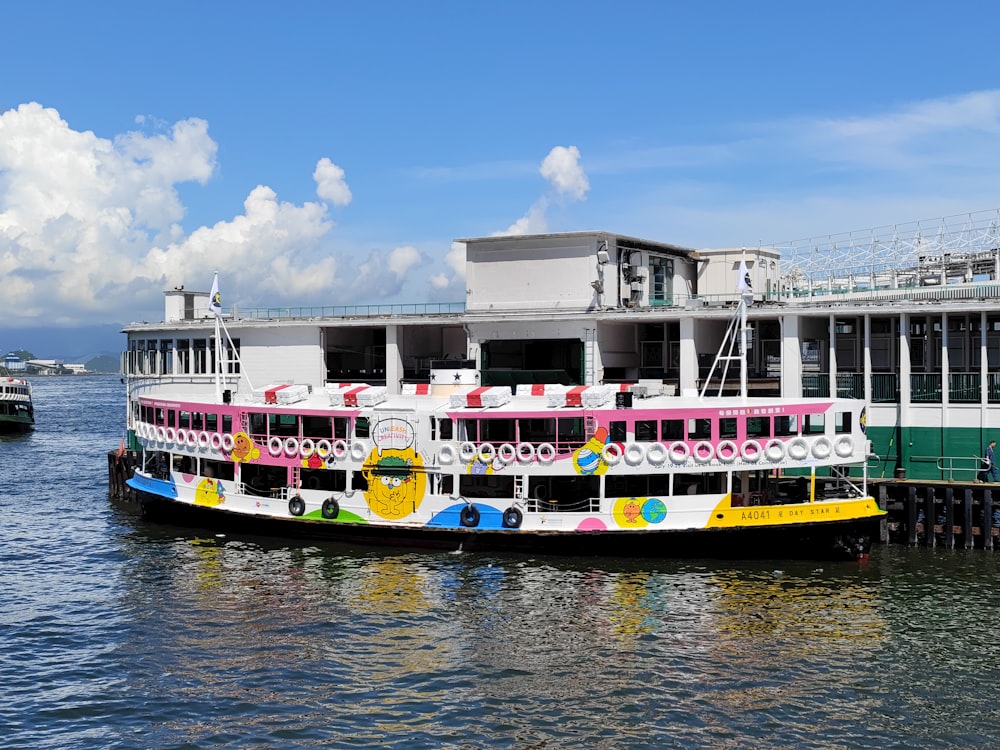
726	517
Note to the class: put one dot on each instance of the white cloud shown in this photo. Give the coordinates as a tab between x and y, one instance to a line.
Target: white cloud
452	280
330	183
562	169
402	260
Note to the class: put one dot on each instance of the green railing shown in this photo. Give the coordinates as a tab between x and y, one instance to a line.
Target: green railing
815	385
925	387
352	311
885	388
850	385
964	387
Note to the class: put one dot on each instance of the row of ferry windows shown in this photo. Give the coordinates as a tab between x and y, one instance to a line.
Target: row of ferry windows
566	430
183	356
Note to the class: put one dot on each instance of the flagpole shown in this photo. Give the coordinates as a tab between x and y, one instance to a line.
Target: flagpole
215	305
743	330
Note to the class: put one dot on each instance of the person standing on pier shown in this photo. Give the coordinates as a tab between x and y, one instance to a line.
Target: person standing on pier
990	473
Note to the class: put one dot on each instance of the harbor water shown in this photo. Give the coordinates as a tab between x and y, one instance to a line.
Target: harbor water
117	633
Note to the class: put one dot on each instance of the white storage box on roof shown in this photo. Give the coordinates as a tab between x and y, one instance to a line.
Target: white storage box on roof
280	393
358	395
587	396
490	396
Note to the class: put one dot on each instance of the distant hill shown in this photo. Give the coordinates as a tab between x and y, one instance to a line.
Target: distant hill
68	345
104	363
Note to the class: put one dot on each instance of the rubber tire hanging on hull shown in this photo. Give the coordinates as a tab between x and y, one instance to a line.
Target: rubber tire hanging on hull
512	518
330	509
469	516
296	506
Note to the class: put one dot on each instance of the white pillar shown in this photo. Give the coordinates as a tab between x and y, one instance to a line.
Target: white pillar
791	357
393	360
689	357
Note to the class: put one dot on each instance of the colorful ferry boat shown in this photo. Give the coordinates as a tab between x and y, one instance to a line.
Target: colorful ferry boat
609	468
17	413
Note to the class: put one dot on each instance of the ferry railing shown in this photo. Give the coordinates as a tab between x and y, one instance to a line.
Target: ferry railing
850	385
993	387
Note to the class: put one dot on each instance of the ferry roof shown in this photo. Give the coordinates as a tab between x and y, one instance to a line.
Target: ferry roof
634	242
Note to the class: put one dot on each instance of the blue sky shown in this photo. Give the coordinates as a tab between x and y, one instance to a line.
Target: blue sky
330	153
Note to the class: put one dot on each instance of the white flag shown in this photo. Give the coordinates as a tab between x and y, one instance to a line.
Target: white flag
215	301
743	284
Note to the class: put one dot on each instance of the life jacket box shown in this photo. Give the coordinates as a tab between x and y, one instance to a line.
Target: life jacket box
358	395
280	393
489	396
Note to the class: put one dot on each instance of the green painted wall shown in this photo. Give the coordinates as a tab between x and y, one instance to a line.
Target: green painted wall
918	449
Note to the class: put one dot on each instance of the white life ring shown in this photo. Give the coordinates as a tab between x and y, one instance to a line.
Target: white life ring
656	454
180	436
307	447
679	452
726	451
228	443
161	434
274	446
844	447
339	448
506	453
204	440
448	455
751	451
323	448
291	447
634	453
468	452
703	452
192	439
546	453
486	453
821	447
358	451
215	440
798	449
525	453
611	453
774	450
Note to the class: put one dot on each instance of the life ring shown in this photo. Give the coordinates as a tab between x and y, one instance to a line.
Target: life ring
486	453
656	454
679	452
774	450
751	451
339	449
330	508
215	440
323	448
634	454
274	446
525	453
358	451
546	453
797	449
204	440
228	443
291	446
844	447
469	516
703	452
611	453
296	506
179	437
726	451
307	447
448	455
161	434
468	452
512	518
506	453
192	439
821	448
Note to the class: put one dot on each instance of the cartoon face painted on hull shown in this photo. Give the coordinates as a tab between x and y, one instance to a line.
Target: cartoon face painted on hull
587	459
209	492
394	471
244	449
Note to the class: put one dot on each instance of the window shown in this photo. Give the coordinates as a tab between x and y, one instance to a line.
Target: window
843	422
661	281
316	427
813	424
645	429
618	431
759	427
699	429
727	428
498	430
286	425
361	430
672	429
786	425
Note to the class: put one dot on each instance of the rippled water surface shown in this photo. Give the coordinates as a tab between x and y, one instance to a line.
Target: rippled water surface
120	634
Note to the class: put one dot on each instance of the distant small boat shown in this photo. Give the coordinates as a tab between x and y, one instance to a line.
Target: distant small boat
16	411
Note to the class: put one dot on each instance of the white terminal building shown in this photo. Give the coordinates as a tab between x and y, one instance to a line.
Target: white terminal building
905	317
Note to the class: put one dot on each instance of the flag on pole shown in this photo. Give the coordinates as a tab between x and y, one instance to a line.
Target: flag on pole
215	301
743	284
